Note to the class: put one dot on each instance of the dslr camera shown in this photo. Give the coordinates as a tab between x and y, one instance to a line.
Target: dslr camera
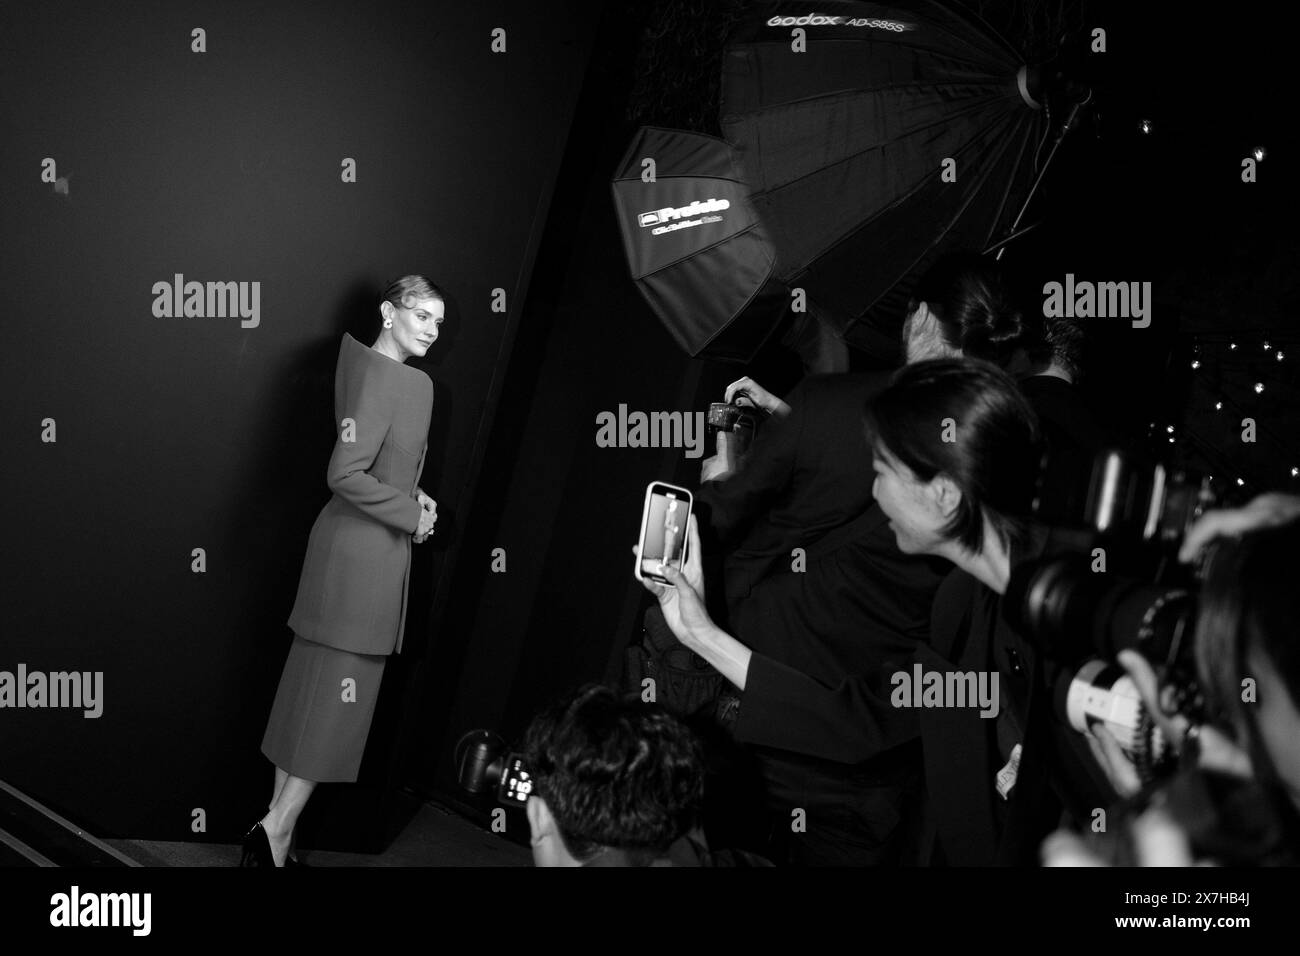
1111	581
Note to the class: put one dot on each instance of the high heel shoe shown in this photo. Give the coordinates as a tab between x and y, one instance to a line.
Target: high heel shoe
257	847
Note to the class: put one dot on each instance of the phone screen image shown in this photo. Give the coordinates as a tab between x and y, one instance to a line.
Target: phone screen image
665	529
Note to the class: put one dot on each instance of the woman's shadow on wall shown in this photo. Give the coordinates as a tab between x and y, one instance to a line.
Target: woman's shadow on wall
280	496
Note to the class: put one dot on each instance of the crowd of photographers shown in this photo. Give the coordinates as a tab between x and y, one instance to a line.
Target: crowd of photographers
912	665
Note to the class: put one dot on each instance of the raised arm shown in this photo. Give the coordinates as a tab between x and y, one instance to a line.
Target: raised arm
733	503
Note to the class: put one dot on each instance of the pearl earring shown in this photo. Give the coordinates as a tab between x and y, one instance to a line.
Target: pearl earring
388	323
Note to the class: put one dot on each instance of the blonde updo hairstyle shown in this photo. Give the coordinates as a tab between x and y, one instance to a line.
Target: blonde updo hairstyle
403	293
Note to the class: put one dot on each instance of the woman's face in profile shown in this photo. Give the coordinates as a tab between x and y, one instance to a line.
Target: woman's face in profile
909	502
416	328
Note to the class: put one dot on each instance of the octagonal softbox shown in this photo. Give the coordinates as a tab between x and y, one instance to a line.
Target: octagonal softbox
695	247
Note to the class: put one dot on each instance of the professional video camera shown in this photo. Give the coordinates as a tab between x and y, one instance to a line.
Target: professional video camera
1110	580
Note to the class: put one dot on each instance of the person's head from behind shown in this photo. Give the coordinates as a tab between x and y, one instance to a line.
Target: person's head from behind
956	455
962	306
1247	652
611	773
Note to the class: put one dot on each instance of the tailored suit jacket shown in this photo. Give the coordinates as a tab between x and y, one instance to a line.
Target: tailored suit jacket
971	632
806	475
352	591
826	639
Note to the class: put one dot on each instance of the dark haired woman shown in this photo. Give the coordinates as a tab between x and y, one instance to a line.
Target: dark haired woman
963	306
351	604
955	448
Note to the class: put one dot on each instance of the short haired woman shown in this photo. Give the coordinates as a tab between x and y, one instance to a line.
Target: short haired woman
956	451
350	609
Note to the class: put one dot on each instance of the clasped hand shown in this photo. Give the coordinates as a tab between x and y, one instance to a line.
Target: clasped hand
428	516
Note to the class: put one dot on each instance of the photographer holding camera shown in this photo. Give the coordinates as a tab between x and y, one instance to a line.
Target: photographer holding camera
818	590
618	782
1248	666
956	449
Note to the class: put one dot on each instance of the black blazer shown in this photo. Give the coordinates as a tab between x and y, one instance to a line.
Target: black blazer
973	825
805	475
825	640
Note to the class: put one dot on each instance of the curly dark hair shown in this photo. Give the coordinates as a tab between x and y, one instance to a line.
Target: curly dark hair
615	772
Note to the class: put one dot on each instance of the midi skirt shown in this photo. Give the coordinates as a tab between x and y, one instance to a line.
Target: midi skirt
319	724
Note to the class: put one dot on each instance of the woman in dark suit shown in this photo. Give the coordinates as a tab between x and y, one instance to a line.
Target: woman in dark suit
350	609
956	447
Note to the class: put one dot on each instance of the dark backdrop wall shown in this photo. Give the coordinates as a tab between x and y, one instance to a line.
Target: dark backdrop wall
182	433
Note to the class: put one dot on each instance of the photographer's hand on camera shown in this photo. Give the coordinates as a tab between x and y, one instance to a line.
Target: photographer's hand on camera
1158	837
758	395
1268	509
1211	748
1214	750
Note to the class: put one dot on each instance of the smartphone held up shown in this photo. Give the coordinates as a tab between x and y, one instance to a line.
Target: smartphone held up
664	519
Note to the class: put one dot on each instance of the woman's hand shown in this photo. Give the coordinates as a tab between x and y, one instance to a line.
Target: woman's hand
1269	509
1110	756
1216	749
683	603
428	516
757	394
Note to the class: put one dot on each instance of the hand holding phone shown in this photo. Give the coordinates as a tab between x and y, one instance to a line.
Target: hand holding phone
664	519
681	592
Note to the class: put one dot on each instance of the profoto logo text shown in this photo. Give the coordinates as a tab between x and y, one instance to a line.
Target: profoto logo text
671	218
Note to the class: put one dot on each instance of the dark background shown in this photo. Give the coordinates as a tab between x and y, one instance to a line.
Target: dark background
182	433
484	172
